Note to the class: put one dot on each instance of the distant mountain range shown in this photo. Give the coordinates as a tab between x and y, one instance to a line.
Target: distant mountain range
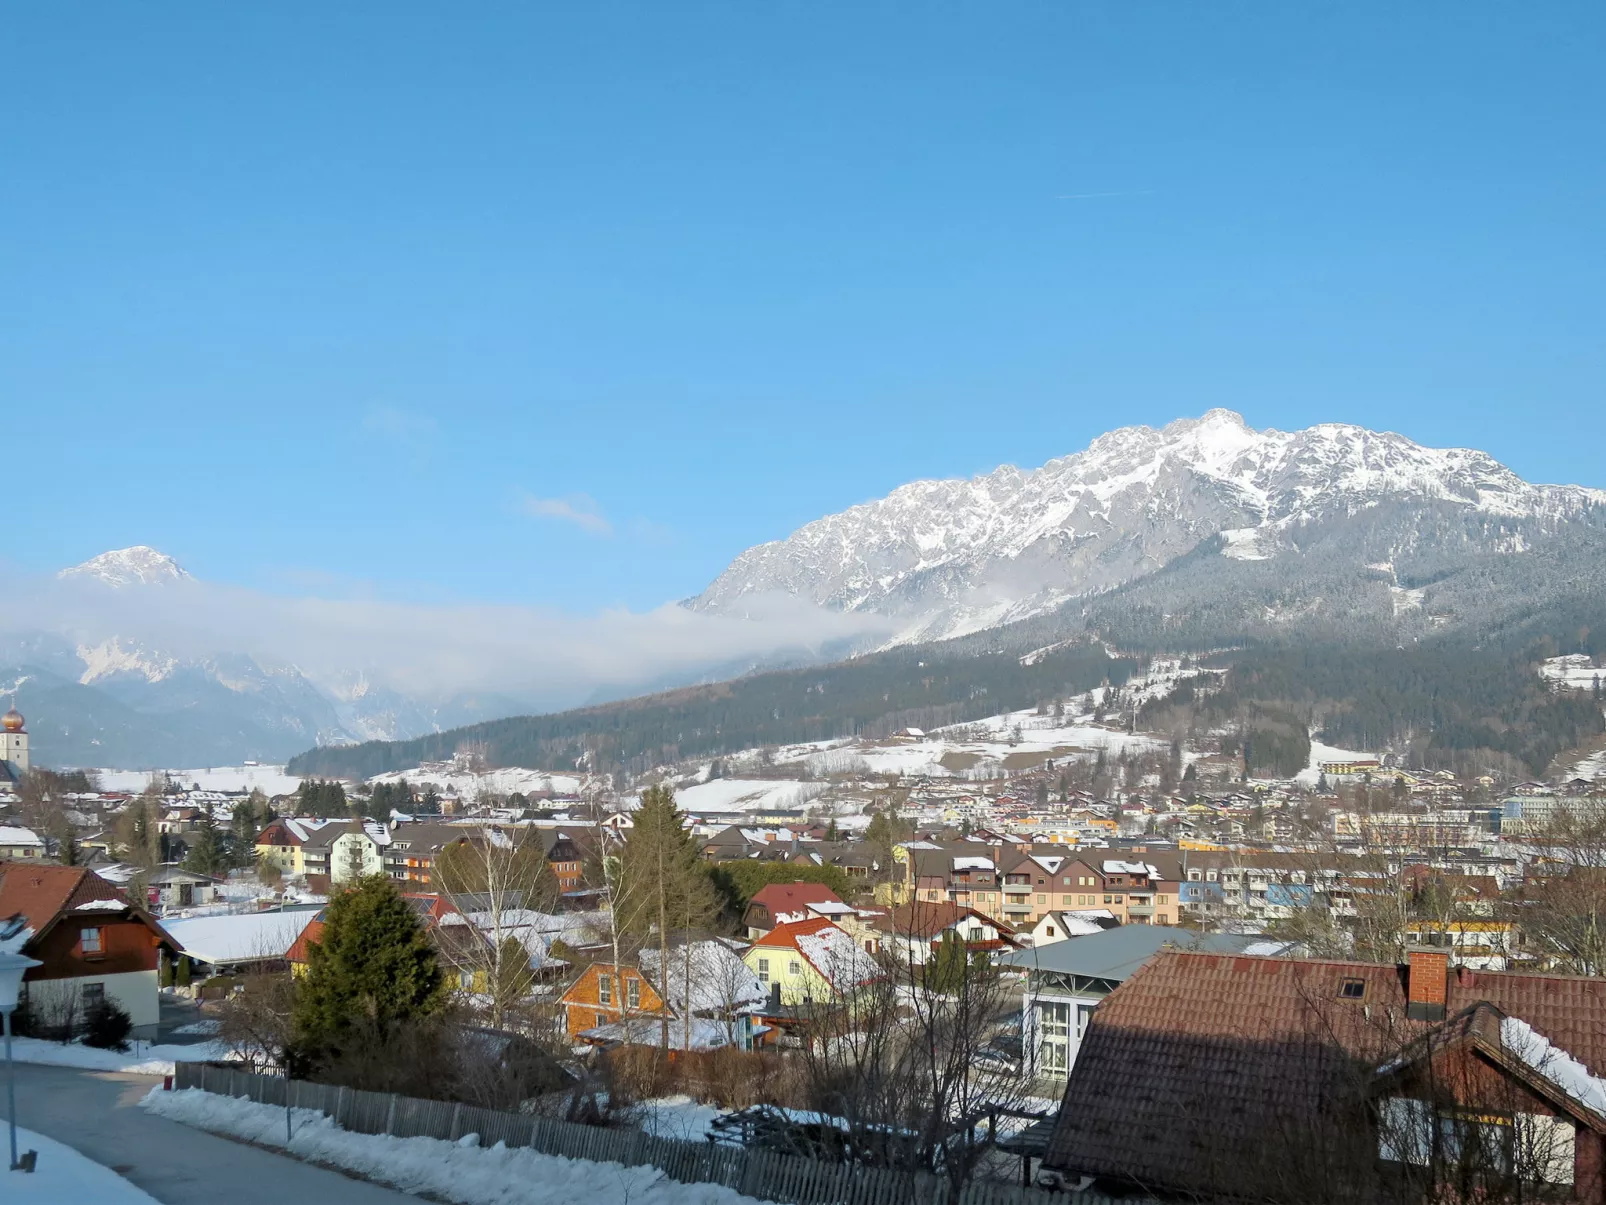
1203	534
948	558
117	702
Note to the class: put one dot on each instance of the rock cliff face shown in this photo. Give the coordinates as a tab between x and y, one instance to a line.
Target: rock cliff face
951	557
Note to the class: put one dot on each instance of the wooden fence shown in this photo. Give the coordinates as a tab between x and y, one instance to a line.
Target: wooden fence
766	1175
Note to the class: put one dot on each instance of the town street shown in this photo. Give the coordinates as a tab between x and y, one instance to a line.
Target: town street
98	1114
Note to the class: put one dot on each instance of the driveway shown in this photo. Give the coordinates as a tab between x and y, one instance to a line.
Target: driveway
97	1113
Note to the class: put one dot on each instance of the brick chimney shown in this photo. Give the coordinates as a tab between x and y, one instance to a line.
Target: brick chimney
1427	978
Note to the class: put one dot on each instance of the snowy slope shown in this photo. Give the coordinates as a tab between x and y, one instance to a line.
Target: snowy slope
136	566
956	556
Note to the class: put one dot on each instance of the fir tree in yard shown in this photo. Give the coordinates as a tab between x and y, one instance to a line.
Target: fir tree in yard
207	854
948	967
662	883
373	968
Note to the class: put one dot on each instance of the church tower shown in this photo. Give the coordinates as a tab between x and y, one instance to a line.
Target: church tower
13	744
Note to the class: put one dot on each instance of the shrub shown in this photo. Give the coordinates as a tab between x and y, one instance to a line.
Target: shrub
107	1026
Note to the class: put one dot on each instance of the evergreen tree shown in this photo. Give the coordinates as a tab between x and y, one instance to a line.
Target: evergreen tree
206	853
948	967
374	965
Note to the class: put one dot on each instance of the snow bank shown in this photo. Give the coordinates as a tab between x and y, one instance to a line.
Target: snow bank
141	1058
271	780
1554	1063
462	1171
63	1175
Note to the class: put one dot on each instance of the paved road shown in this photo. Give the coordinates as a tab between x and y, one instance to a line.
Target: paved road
96	1113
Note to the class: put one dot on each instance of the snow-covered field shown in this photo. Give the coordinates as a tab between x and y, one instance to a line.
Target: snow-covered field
1319	753
462	1171
741	794
496	782
64	1177
1575	670
678	1117
272	780
141	1058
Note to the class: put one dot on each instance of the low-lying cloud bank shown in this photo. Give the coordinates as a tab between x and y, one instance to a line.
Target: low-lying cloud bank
545	657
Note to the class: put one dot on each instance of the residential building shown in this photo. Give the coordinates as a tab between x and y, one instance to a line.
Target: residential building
1067	980
346	852
21	844
1217	1077
1057	926
781	903
91	942
708	999
283	841
810	962
910	934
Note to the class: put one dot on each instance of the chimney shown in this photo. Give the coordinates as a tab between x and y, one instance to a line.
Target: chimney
1426	984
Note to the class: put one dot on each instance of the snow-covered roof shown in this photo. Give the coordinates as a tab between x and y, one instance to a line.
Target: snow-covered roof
706	977
101	906
837	957
832	908
971	863
1112	866
1554	1063
247	937
15	834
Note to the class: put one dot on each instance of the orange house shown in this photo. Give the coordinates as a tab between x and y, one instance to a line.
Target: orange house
604	994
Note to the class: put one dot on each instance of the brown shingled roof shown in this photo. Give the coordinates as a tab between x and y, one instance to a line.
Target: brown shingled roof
1200	1058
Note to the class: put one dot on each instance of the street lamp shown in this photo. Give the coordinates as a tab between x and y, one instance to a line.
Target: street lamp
12	968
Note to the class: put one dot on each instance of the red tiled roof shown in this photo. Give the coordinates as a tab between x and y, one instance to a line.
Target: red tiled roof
311	935
1199	1056
793	897
785	936
43	893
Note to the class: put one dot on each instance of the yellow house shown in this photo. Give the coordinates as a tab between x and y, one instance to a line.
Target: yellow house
810	961
283	843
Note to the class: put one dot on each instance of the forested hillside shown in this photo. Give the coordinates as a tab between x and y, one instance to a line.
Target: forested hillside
923	687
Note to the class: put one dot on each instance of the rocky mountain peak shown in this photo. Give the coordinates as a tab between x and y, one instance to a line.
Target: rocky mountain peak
140	565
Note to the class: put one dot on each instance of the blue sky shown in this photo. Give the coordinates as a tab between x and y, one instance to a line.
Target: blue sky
568	304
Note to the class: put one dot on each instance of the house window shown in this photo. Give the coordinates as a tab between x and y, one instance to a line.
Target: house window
632	993
1049	930
763	970
604	989
1352	989
1042	899
1065	901
1053	1038
794	967
90	939
92	994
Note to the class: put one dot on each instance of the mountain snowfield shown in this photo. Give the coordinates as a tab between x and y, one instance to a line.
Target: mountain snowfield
1199	535
951	557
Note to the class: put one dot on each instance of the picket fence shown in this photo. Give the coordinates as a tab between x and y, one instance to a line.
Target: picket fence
767	1175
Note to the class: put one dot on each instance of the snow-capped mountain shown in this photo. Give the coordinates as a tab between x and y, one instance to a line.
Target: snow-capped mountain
136	566
955	556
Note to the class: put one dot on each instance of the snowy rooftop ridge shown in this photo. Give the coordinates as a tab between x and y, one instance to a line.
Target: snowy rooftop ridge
1554	1063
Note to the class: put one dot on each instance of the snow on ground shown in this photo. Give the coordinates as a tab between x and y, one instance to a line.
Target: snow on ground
272	780
462	1171
468	785
678	1117
141	1058
743	794
1576	670
62	1175
1320	753
1243	544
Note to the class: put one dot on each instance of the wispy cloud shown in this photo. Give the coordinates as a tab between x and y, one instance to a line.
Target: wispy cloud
1121	192
574	508
408	428
542	657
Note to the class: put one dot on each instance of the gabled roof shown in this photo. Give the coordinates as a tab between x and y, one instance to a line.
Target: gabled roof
828	949
788	898
925	920
45	893
1200	1053
1117	954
